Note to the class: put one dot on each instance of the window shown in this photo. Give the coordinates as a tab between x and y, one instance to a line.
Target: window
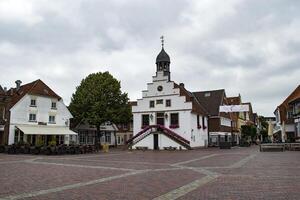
168	103
53	105
151	104
107	138
290	114
198	121
52	119
82	137
159	101
145	120
33	102
125	126
207	94
174	120
32	117
90	138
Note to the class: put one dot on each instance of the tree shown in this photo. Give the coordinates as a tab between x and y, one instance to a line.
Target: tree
249	131
264	127
98	99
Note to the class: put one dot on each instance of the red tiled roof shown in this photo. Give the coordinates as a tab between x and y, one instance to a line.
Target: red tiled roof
132	103
283	107
37	87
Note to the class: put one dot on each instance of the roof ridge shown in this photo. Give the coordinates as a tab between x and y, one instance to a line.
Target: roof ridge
210	90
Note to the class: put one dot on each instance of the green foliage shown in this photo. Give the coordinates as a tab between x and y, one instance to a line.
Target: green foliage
99	99
40	141
263	122
52	143
249	131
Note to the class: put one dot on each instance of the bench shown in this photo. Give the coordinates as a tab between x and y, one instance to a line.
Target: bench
294	147
141	148
271	147
170	148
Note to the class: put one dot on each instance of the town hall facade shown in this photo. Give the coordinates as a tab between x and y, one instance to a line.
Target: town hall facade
168	115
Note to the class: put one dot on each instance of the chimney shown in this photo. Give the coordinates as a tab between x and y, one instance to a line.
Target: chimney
11	91
181	84
5	89
18	84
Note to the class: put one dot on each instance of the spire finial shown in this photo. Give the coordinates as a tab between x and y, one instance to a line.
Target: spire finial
162	41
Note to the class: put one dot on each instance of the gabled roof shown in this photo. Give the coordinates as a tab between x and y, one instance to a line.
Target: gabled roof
251	116
37	87
197	106
234	100
294	95
211	100
283	107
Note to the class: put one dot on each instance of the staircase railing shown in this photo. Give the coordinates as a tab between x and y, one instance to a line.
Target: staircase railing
149	129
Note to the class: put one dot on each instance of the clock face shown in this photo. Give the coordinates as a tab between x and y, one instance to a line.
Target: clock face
160	88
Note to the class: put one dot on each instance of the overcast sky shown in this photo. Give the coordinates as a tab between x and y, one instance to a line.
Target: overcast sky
248	47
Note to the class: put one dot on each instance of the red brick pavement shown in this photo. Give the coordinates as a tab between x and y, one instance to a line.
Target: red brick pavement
264	175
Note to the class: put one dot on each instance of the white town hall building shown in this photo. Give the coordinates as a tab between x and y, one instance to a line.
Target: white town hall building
168	115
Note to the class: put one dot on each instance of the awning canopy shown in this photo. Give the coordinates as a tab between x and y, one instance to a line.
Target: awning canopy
45	130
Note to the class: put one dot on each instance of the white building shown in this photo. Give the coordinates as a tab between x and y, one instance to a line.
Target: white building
37	114
168	115
87	133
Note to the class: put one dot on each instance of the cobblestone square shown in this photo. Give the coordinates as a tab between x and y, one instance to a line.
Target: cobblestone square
238	173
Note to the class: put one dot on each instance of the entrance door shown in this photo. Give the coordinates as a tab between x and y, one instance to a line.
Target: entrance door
160	118
155	141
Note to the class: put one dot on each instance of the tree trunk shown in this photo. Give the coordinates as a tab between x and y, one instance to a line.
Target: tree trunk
98	139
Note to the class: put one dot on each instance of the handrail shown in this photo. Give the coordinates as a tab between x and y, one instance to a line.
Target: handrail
138	134
174	134
166	130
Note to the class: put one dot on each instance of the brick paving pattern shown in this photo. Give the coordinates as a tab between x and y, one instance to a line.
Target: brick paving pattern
238	173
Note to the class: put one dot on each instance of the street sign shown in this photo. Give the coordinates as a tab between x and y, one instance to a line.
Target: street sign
234	108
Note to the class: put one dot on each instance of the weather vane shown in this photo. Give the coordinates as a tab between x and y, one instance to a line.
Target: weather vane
162	41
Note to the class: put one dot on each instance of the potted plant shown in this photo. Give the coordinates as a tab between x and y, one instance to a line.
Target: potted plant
52	147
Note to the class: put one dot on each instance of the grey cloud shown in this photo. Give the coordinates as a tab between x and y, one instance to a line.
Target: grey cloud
252	49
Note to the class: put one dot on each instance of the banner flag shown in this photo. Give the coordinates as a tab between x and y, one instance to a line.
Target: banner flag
234	108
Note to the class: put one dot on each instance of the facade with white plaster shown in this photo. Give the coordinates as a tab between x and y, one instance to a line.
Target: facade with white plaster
36	114
170	105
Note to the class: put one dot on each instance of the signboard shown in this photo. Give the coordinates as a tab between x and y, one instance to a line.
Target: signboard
1	127
234	108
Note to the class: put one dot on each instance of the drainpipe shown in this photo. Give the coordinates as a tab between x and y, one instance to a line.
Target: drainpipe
208	130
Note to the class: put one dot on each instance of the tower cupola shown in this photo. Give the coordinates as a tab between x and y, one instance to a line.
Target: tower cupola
163	61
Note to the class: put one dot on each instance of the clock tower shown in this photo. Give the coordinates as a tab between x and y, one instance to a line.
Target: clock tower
163	64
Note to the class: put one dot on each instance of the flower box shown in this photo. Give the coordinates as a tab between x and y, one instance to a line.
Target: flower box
174	126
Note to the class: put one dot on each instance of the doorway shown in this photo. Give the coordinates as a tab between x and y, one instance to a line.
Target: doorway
155	142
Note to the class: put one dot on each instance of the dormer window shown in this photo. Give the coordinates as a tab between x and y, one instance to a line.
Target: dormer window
33	103
53	105
207	94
